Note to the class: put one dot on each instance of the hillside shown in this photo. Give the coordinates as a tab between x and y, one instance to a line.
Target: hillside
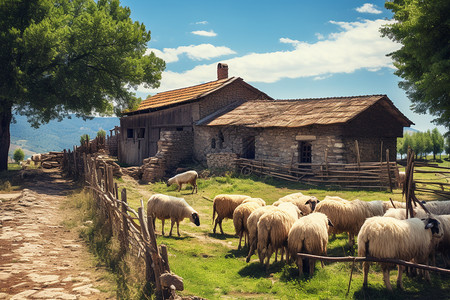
55	136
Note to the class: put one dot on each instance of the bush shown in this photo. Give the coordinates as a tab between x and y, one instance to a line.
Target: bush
18	155
101	133
84	139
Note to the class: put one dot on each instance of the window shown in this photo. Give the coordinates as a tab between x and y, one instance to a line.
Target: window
130	133
213	143
141	133
304	152
221	139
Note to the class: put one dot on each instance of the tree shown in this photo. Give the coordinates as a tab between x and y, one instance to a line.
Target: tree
438	142
62	57
400	143
18	155
447	146
423	61
101	133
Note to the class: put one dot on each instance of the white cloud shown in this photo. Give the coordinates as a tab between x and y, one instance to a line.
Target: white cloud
368	8
204	33
320	36
194	52
202	23
356	46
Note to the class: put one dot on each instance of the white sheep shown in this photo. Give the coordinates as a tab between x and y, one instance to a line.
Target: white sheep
401	178
273	230
305	203
36	158
182	178
224	205
252	228
400	213
411	239
349	216
240	216
438	207
260	201
309	235
164	207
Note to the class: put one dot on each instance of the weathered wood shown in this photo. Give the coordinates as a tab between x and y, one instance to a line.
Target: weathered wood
165	258
125	228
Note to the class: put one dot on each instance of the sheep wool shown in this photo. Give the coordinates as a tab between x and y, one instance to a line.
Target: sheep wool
414	239
438	207
273	230
164	207
188	177
240	216
252	227
306	204
260	201
444	244
308	235
224	205
400	213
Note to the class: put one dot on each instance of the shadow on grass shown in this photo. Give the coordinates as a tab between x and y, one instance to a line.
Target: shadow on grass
220	236
237	253
257	270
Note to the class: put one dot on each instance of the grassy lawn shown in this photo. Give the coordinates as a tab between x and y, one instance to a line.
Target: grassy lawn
212	267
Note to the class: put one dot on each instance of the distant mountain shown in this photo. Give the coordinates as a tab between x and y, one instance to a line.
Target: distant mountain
409	130
55	136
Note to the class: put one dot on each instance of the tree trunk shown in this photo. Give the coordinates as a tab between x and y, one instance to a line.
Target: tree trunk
5	137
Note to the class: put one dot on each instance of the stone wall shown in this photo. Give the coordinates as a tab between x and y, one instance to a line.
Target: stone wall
370	148
173	147
222	161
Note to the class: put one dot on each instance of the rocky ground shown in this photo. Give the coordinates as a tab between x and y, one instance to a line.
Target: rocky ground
40	258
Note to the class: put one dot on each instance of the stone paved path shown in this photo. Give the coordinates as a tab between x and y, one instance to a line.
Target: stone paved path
39	257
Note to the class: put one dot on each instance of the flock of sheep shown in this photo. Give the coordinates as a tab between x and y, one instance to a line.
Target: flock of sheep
300	223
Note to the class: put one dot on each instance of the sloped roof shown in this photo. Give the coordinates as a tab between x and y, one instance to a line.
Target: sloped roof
301	112
184	95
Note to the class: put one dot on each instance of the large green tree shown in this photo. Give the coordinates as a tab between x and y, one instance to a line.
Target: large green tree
62	57
423	61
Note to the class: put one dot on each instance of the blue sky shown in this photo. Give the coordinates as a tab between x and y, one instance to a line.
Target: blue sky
288	49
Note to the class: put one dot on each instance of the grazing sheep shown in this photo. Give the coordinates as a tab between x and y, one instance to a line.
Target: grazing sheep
240	216
444	245
224	205
394	204
252	228
182	178
168	207
306	204
309	235
438	207
409	239
273	230
348	216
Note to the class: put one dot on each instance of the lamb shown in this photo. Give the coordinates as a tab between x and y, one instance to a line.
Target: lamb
225	205
240	216
252	228
414	239
273	230
182	178
309	235
348	216
168	207
306	204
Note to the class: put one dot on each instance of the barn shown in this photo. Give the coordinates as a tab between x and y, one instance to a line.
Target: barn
216	122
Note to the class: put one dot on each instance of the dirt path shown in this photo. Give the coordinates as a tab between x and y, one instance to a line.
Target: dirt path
39	257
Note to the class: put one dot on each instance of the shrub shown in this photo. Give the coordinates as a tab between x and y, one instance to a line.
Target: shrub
101	133
18	155
84	139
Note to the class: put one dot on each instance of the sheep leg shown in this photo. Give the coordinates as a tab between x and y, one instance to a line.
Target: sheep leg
386	278
250	252
179	186
240	239
172	222
178	228
220	225
300	265
215	225
276	254
351	239
399	277
366	266
312	265
268	255
162	230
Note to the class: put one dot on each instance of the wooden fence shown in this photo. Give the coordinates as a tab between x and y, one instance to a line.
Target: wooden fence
134	230
383	175
439	185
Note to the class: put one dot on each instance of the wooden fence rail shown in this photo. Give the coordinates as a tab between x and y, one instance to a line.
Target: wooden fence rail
357	175
133	228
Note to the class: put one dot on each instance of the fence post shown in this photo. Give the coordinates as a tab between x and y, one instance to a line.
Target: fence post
388	170
124	232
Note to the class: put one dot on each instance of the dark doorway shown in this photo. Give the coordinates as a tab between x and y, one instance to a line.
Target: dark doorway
304	152
248	147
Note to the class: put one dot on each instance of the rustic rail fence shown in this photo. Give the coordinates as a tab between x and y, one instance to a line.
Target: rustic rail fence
133	228
383	175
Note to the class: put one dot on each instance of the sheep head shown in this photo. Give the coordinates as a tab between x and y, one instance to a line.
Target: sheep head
195	219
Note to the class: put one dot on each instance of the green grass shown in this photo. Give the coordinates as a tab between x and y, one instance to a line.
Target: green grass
212	267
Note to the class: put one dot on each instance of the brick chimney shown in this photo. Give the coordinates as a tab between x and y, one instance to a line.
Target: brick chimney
222	71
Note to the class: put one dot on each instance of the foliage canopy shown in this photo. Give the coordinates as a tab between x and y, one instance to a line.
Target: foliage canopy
423	61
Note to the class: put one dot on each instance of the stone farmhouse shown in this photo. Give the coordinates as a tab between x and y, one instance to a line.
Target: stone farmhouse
216	122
